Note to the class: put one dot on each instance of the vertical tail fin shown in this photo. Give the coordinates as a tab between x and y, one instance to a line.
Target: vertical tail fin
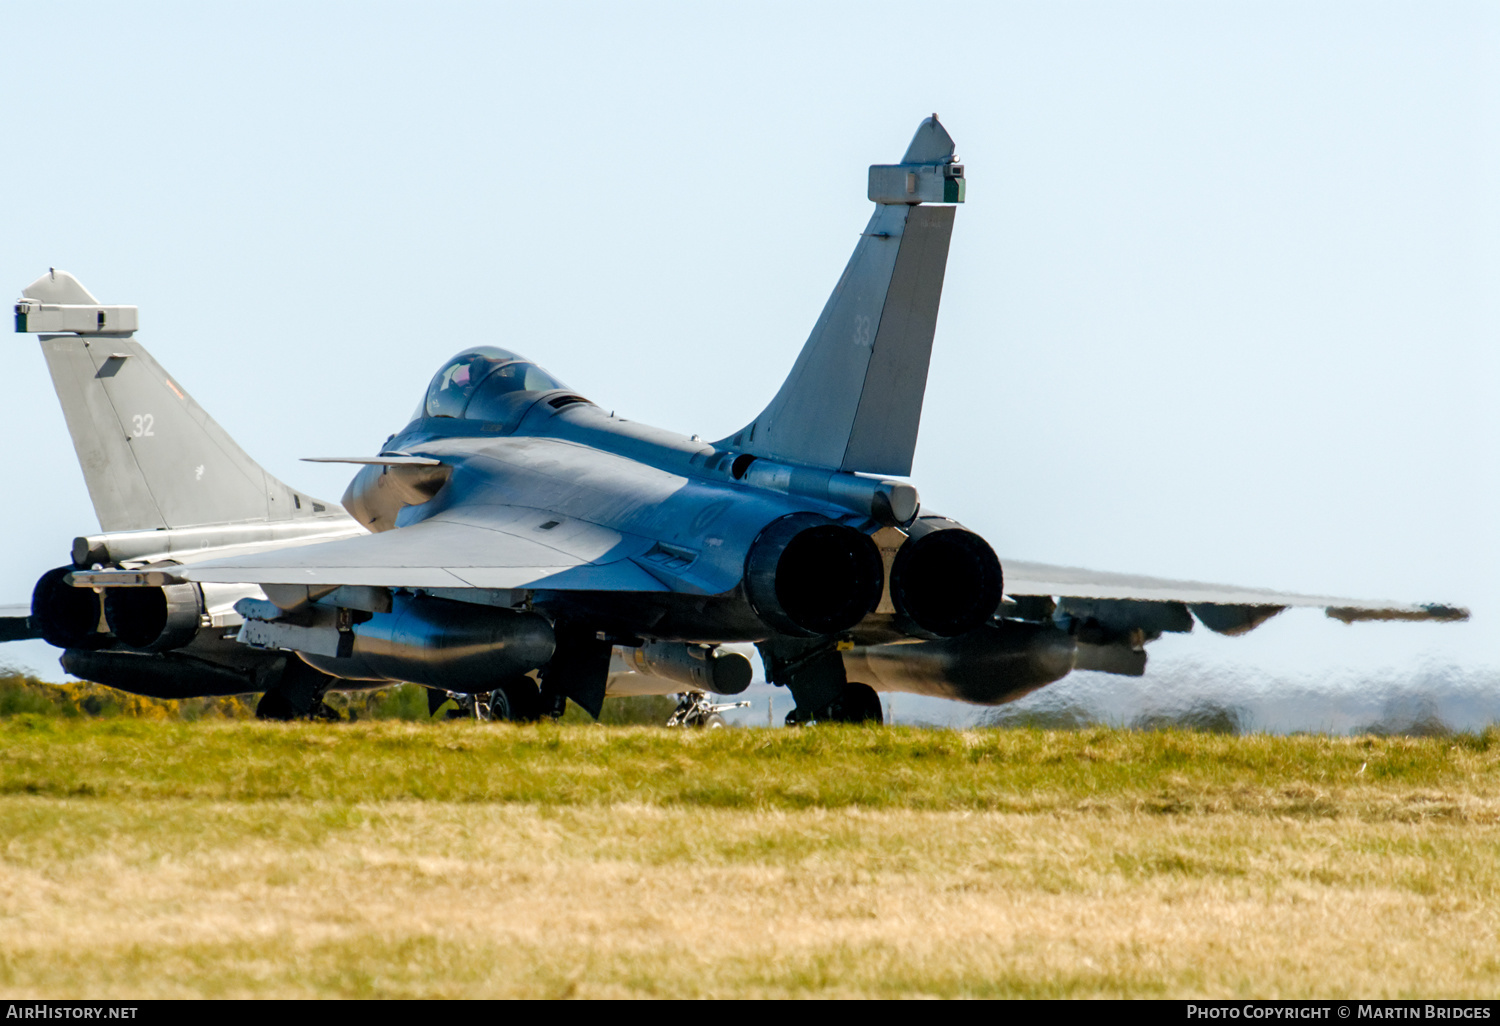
854	398
150	456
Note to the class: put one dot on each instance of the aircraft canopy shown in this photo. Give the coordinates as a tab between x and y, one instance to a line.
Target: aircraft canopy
480	384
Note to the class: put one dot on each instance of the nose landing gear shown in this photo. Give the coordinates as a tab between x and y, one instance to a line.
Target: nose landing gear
695	710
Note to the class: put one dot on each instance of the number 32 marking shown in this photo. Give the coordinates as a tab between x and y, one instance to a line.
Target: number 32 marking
143	423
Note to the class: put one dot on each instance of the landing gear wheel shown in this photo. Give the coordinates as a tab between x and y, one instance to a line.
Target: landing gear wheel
856	703
713	721
273	705
517	700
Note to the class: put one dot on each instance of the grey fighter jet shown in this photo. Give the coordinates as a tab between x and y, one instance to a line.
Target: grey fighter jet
518	546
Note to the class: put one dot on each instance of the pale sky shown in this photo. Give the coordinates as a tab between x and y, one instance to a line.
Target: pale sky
1221	304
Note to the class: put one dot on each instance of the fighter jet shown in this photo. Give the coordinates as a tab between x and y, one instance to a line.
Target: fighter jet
517	546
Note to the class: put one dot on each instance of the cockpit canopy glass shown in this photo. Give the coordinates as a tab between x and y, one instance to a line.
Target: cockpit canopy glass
481	384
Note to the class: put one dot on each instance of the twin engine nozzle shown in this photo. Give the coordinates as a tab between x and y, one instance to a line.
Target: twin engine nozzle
808	576
147	619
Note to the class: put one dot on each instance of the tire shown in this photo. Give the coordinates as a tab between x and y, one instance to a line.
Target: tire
857	703
713	721
516	700
273	705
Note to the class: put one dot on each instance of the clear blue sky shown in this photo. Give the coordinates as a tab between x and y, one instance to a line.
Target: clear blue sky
1221	305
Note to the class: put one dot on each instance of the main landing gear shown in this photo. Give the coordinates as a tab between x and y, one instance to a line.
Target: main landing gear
297	694
813	670
855	703
274	705
513	700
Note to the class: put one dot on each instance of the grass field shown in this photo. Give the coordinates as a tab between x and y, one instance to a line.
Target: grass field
229	858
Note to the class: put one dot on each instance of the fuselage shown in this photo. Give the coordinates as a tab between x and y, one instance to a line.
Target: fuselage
556	469
612	489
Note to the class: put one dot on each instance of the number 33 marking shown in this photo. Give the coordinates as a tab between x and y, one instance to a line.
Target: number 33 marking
143	423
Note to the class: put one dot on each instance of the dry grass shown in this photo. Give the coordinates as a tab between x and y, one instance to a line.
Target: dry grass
137	861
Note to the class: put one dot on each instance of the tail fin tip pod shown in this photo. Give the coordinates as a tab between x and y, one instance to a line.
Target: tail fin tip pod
853	400
152	458
57	301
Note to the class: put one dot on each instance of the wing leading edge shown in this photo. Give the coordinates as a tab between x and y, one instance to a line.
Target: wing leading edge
1024	579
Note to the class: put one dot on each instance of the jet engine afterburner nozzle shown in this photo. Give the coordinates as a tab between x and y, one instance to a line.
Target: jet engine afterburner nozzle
161	618
154	619
67	617
807	576
945	581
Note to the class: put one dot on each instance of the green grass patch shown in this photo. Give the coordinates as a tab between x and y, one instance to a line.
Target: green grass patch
1021	770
